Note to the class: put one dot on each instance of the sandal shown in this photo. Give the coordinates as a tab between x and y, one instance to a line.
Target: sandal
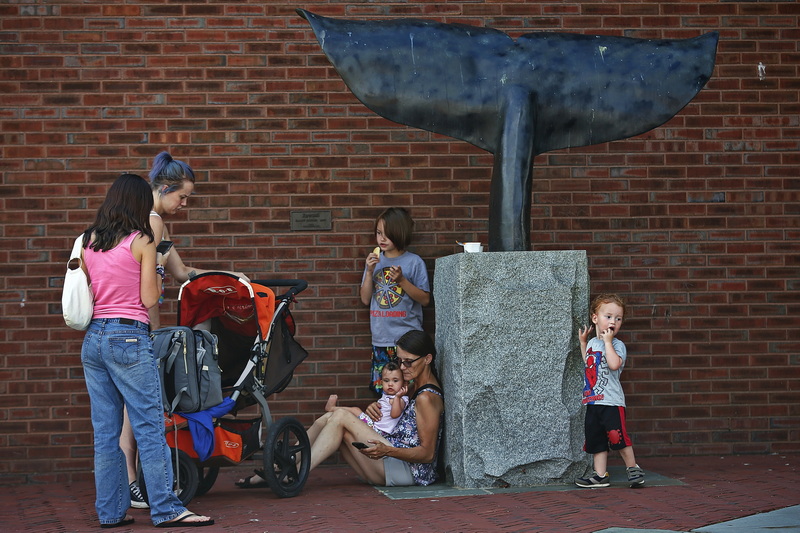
124	522
247	483
181	521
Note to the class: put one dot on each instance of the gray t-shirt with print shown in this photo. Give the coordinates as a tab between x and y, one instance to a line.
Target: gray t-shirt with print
601	385
392	312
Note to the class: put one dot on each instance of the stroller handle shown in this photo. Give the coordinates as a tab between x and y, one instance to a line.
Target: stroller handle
297	285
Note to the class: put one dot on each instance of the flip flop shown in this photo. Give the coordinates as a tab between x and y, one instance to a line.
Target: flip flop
181	522
247	484
124	522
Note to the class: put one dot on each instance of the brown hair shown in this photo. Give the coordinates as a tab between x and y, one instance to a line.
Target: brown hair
397	226
125	209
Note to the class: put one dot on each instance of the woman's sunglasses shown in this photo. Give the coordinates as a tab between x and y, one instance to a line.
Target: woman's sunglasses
408	362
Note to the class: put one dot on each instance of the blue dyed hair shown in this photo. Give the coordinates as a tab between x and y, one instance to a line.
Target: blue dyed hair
169	172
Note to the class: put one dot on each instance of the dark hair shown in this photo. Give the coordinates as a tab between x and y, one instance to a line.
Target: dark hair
397	226
126	209
169	172
391	366
418	343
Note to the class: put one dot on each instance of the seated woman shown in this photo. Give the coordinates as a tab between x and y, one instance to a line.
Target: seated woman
406	457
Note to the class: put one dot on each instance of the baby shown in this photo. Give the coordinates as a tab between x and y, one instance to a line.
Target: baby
392	401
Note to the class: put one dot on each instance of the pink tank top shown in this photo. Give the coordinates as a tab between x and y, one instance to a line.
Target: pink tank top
116	281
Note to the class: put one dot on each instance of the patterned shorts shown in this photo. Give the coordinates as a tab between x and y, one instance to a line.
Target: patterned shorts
380	356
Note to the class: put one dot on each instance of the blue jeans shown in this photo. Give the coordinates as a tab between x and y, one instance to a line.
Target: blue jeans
120	368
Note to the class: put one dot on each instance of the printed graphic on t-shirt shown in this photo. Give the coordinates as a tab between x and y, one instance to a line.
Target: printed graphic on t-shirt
596	380
388	293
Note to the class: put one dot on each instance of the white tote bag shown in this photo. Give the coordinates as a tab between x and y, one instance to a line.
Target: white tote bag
77	300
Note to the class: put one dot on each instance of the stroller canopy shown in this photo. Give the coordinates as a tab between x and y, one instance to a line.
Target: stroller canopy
242	307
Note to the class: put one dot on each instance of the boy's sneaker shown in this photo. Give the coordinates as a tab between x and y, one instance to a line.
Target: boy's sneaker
595	481
137	500
635	476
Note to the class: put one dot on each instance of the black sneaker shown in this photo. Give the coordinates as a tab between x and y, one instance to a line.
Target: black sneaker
635	476
594	482
137	500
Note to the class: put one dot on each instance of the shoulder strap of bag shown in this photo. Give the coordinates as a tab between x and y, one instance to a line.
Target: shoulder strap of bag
77	253
177	347
77	247
169	362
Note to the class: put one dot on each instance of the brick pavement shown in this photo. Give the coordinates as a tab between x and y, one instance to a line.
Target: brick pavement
714	489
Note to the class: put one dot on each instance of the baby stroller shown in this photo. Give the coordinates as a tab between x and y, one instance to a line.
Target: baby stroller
257	354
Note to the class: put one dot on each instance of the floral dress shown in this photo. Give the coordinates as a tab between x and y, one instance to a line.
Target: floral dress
405	435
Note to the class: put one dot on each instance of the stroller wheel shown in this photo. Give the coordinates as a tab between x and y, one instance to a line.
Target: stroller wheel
207	478
287	457
186	477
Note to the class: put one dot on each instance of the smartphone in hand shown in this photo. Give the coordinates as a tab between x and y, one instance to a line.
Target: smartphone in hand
164	247
360	445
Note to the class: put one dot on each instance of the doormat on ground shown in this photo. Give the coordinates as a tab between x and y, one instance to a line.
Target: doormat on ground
442	490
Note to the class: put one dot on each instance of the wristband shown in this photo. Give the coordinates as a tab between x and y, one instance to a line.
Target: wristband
160	271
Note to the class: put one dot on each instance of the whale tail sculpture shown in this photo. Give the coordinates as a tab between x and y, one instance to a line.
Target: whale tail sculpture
516	99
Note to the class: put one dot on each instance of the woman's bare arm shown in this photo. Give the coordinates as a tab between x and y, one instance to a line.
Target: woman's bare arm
429	408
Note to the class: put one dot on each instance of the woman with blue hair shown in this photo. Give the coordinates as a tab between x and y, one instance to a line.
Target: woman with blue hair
172	183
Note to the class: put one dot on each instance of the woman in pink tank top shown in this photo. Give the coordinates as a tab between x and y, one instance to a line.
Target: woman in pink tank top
120	369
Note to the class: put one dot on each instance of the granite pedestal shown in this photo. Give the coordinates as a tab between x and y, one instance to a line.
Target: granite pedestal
509	360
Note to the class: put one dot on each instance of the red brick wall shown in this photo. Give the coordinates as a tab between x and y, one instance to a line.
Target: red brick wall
695	223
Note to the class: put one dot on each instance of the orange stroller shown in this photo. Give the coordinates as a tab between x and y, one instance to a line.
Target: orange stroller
257	354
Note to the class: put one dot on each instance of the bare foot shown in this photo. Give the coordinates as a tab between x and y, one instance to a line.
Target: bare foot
253	481
331	405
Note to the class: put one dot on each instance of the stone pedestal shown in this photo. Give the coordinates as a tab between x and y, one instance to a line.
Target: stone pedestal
509	360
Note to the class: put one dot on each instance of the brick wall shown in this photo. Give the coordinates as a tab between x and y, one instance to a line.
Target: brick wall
695	223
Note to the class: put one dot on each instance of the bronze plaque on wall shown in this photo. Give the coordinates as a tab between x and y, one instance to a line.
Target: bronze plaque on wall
310	221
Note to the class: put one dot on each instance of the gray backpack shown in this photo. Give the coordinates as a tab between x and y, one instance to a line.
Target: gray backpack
191	379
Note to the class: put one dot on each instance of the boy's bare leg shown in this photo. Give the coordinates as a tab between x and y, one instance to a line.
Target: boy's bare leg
600	463
627	456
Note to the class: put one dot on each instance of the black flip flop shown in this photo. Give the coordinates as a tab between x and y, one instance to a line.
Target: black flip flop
124	522
180	522
246	484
